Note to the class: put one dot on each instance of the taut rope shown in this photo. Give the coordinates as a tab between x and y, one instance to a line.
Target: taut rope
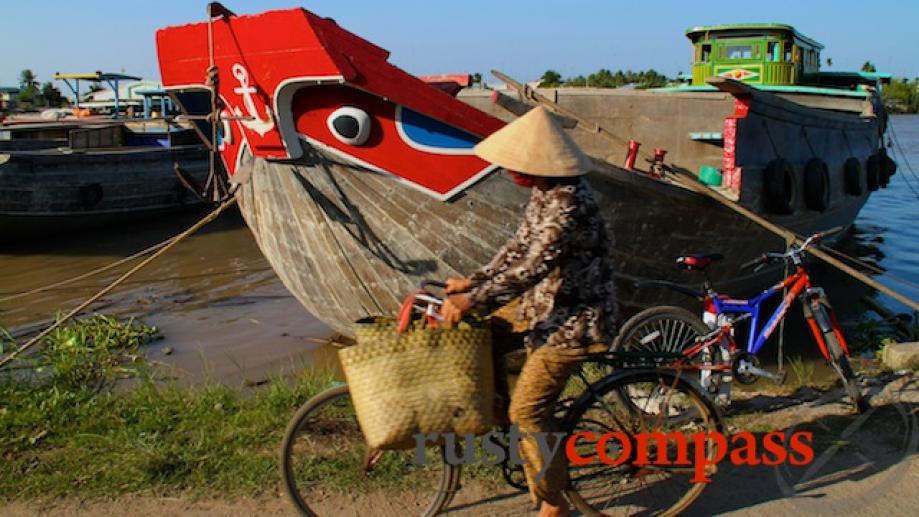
94	272
105	290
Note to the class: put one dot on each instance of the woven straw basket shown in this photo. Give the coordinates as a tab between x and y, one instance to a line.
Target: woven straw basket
425	380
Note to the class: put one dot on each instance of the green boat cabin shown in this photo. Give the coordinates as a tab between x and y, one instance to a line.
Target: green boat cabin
759	53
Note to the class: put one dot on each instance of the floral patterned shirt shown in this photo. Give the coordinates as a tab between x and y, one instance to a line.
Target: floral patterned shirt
559	260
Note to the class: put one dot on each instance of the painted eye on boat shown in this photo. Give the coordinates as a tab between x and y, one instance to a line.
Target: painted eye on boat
350	125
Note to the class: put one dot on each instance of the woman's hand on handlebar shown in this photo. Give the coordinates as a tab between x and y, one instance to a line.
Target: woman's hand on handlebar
458	285
454	307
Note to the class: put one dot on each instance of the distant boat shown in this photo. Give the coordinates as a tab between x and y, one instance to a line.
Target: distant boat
358	179
65	173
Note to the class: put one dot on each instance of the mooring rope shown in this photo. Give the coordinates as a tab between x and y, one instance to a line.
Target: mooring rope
808	141
89	274
905	160
870	267
105	290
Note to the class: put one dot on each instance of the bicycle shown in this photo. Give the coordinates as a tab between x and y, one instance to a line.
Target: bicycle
710	346
323	442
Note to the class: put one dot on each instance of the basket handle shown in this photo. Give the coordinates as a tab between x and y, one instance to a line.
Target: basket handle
404	318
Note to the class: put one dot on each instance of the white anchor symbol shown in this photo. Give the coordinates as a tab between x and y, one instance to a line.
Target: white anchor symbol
254	122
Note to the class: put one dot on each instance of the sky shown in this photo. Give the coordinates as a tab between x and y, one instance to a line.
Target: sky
520	38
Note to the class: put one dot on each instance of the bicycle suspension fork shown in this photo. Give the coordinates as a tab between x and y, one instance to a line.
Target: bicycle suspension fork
821	319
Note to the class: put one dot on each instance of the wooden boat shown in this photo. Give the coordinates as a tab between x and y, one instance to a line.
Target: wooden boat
61	175
358	179
91	177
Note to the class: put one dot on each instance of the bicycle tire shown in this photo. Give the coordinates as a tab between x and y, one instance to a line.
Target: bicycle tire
448	483
676	329
578	418
840	364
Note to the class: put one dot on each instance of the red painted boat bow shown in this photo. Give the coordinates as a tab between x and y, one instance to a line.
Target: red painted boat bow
283	77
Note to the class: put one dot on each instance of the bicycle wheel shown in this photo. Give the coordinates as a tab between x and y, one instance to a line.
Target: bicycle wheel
840	362
660	329
649	487
671	329
324	452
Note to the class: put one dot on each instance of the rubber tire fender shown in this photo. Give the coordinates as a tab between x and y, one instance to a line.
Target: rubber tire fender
817	185
884	167
854	177
888	163
780	187
91	195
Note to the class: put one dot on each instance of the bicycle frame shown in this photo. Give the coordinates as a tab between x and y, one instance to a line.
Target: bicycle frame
797	283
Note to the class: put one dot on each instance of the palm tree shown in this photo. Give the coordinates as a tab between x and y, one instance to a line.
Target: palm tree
28	79
51	95
550	79
28	87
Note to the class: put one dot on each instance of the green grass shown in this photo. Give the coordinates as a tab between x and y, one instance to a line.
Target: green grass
85	416
802	369
65	431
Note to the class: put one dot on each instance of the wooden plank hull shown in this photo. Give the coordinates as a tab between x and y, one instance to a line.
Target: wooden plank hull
348	242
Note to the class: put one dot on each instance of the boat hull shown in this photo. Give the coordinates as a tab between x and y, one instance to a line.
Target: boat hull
768	127
49	191
348	242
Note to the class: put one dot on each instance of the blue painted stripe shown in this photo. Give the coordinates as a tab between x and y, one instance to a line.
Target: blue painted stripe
429	132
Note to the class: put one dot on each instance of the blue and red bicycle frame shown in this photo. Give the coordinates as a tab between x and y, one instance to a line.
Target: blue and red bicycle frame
798	283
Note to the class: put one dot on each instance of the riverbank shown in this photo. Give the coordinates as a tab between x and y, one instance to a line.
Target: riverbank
89	414
864	466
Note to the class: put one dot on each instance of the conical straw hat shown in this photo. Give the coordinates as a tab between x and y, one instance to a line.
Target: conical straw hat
535	144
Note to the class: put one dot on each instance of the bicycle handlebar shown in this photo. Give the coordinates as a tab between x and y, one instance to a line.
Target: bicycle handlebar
793	253
755	262
819	236
763	259
432	283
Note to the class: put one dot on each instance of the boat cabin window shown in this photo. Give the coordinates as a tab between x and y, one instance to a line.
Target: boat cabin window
812	59
787	51
739	51
773	51
706	52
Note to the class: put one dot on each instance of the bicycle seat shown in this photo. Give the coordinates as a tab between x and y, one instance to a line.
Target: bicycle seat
697	262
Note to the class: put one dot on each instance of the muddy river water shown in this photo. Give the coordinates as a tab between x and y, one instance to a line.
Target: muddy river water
221	309
224	313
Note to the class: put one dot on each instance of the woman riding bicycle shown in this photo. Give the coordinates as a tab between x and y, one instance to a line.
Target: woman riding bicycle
559	260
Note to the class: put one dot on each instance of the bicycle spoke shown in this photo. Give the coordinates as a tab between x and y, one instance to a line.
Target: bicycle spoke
630	488
324	448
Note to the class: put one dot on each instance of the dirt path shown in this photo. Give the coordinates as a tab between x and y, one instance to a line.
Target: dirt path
865	465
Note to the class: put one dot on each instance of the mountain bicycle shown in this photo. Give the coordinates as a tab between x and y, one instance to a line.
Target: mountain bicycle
711	346
323	450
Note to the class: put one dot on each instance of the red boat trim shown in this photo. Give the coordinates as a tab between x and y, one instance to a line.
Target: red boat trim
266	62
